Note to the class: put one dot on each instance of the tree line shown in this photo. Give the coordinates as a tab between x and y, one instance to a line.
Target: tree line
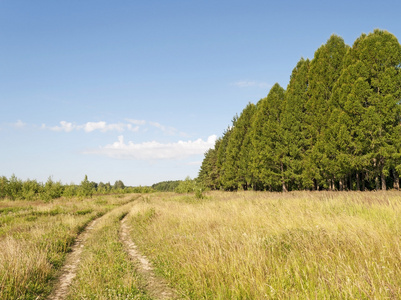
335	127
14	188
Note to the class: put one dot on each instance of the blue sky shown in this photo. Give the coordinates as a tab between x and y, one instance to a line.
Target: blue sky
138	90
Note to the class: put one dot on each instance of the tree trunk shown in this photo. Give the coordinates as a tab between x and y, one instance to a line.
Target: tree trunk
282	178
363	183
383	178
377	182
349	187
358	188
341	184
396	180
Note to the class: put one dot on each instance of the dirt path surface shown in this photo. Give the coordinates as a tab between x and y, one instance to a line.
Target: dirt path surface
69	269
156	286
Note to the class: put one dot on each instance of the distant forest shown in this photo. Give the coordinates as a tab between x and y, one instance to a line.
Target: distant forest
335	127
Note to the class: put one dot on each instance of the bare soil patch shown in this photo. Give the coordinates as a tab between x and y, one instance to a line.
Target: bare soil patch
68	271
155	285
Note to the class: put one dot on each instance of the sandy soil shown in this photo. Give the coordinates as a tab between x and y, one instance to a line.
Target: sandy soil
68	271
155	285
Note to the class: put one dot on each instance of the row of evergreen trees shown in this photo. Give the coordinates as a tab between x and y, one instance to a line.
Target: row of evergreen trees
335	127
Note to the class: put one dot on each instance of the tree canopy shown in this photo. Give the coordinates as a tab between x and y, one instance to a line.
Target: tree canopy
337	126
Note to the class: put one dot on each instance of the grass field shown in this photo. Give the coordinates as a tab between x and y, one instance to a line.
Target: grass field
243	245
248	245
105	272
36	236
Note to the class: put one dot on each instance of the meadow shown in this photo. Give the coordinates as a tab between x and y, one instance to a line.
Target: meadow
258	245
36	236
241	245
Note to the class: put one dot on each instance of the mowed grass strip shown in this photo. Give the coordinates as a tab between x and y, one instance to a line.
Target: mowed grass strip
248	245
35	237
105	270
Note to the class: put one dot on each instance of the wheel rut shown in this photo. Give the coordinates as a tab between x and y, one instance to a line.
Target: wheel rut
155	285
69	270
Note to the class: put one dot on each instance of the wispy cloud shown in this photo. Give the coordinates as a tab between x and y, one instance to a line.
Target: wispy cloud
102	126
19	124
64	126
249	83
154	150
136	122
194	163
167	130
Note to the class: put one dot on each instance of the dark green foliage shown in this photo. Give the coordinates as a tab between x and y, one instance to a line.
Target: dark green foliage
85	189
16	189
186	186
166	186
209	173
325	69
366	97
222	155
52	190
336	127
294	125
234	172
119	185
267	141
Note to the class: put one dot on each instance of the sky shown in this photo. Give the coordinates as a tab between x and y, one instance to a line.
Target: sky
138	90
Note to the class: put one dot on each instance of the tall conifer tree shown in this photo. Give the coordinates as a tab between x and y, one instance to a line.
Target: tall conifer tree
337	126
368	92
267	140
232	176
294	123
325	68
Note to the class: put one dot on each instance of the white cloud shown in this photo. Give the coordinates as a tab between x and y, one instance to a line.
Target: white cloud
133	129
247	83
136	122
19	124
104	126
64	126
154	150
158	125
168	130
194	163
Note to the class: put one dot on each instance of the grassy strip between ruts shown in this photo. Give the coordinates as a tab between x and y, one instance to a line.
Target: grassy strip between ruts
36	236
248	245
105	271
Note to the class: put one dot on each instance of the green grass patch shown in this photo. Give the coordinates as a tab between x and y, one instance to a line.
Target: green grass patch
35	239
105	271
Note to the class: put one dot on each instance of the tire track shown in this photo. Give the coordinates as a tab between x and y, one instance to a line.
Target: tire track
69	270
155	285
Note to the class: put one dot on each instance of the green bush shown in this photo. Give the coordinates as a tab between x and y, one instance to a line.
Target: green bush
85	189
31	189
14	190
3	187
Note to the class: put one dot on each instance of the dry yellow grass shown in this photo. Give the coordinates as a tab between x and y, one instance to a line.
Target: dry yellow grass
105	270
35	237
250	245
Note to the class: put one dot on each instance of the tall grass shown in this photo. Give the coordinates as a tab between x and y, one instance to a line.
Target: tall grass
35	237
105	271
250	245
